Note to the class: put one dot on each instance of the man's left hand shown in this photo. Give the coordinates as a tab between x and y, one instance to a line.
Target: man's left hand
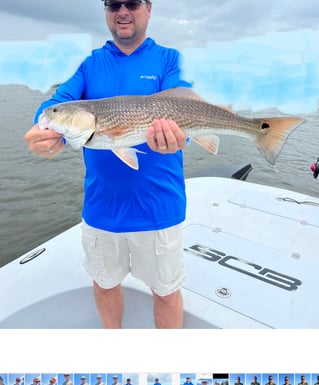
165	136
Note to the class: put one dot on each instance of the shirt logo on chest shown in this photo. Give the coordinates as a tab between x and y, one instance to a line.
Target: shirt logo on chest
148	77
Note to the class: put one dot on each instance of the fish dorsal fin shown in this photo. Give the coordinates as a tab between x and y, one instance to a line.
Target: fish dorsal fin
188	93
180	92
228	108
210	142
128	156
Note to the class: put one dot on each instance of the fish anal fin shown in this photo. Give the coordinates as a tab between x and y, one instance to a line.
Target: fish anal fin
128	156
210	143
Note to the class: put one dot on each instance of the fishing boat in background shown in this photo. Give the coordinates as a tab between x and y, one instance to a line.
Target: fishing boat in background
251	255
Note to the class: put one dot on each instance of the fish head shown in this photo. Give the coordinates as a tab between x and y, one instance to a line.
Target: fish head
70	119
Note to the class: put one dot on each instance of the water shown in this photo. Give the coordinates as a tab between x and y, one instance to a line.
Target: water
39	198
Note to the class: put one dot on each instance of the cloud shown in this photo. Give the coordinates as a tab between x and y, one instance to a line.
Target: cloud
178	23
76	12
224	29
33	19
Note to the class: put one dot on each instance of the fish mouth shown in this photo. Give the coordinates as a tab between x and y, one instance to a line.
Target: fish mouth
43	122
90	137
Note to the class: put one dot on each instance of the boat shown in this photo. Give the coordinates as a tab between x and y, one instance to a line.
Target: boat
250	251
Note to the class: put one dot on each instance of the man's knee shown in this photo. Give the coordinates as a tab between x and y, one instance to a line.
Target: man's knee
103	291
169	299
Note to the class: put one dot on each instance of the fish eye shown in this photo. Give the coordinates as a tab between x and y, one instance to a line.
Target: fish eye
55	109
264	126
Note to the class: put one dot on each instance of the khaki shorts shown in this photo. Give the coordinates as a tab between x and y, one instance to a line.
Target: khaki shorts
155	257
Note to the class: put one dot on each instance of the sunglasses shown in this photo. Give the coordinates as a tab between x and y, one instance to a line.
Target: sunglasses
131	5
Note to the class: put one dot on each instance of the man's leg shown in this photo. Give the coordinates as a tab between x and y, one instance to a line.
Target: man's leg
109	303
168	311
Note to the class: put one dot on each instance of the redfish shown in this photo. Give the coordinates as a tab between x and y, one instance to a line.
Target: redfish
118	123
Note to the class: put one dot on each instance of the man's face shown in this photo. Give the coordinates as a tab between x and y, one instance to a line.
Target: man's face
128	26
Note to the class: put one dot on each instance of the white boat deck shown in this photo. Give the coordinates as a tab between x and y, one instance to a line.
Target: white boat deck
251	258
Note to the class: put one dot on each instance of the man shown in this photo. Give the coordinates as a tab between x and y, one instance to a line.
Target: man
128	381
36	381
135	215
83	380
188	381
157	382
99	380
116	380
238	382
303	380
287	381
67	380
255	381
53	381
270	381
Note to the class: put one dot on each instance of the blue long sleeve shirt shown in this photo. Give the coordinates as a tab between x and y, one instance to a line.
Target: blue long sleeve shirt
116	197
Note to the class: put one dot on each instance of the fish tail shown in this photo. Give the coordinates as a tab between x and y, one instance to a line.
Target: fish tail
276	133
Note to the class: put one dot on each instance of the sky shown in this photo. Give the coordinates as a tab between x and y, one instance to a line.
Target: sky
252	55
178	24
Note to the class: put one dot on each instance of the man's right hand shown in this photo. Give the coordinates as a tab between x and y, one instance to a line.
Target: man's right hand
45	143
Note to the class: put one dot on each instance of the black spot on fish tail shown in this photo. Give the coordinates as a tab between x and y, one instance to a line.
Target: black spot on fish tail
264	126
277	131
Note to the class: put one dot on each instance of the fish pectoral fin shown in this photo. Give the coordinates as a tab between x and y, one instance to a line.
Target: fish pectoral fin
128	156
211	142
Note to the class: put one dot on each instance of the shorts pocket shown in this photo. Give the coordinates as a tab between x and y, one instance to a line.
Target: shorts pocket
88	239
169	255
